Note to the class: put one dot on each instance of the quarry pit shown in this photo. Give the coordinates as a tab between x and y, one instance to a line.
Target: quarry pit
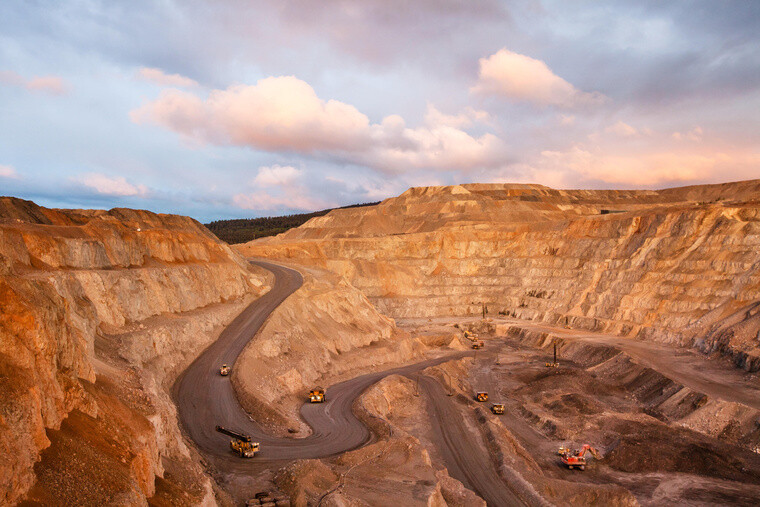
123	319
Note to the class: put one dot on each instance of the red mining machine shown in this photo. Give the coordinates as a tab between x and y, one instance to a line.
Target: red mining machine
577	459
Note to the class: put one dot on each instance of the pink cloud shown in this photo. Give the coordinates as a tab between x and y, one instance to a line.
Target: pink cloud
49	84
159	77
7	171
622	129
285	114
117	186
519	77
694	134
646	169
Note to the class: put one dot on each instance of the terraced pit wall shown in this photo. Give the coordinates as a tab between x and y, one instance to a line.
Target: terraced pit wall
669	267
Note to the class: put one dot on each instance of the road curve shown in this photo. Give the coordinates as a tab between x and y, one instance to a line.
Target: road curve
205	399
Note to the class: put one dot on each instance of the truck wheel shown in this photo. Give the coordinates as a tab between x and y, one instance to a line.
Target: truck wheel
583	467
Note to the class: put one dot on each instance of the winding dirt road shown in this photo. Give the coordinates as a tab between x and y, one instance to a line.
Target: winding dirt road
206	399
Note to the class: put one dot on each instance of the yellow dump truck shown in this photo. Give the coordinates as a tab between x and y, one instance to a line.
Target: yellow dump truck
477	344
244	449
224	370
317	395
497	408
481	396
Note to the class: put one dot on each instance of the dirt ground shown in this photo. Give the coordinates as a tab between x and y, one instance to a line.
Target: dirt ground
638	417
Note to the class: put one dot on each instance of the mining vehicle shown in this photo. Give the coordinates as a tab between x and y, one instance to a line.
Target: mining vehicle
555	363
577	459
481	396
241	443
317	395
244	449
477	344
224	370
497	408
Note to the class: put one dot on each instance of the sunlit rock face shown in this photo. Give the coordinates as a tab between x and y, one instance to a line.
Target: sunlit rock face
678	265
68	280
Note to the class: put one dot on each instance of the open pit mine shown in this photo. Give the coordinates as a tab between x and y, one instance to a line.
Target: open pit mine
480	344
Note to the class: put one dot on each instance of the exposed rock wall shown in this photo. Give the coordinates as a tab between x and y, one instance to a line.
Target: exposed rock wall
325	329
70	277
680	265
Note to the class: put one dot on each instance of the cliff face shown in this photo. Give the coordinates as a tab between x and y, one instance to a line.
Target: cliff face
74	285
676	265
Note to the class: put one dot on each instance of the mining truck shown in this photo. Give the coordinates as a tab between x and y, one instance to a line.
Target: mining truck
481	396
497	408
241	443
477	344
224	370
317	395
577	459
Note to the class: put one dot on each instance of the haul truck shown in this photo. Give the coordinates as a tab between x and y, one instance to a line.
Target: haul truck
317	395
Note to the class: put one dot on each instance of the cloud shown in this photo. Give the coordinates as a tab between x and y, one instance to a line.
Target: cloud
566	119
276	175
519	77
159	77
435	118
694	134
622	129
642	169
53	85
118	186
284	114
278	113
7	171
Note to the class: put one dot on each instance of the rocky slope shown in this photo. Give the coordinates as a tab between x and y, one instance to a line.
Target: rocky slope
100	310
678	265
325	332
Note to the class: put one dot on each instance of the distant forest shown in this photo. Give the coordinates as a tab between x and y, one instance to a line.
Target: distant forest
242	230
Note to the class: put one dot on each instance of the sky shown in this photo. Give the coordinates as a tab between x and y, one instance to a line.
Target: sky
233	109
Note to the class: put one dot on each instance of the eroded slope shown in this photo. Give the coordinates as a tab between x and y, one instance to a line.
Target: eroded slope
82	293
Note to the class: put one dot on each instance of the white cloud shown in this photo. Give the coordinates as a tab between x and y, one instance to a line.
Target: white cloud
161	78
284	114
567	119
520	77
7	171
277	175
117	186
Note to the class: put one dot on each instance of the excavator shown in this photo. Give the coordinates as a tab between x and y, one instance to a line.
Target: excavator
241	443
317	395
224	370
577	458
